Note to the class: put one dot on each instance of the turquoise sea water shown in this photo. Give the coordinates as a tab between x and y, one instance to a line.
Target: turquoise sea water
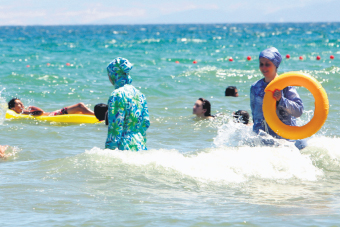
195	173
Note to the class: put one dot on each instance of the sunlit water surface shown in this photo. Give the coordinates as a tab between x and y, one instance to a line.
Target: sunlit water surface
194	173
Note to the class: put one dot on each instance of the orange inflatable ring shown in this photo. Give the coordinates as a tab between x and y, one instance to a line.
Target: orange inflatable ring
320	112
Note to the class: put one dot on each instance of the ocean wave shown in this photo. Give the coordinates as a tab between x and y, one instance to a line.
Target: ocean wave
219	165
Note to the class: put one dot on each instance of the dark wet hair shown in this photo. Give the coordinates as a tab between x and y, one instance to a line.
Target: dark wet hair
206	105
230	91
100	111
242	116
11	103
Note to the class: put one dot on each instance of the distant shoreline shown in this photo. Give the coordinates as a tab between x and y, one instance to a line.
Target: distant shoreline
170	24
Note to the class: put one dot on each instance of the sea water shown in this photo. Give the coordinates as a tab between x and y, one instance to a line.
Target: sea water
194	173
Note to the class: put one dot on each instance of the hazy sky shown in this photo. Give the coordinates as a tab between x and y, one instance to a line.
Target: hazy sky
69	12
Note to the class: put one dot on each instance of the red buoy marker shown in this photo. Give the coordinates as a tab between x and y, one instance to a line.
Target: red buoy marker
248	58
301	58
48	64
68	64
287	56
194	62
331	57
177	62
28	66
231	59
318	57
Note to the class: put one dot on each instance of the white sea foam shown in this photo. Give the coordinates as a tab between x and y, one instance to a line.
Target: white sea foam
239	156
324	152
3	108
236	134
10	153
223	164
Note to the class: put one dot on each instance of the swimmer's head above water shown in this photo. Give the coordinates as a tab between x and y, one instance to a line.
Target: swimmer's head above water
231	91
241	116
100	111
16	105
202	108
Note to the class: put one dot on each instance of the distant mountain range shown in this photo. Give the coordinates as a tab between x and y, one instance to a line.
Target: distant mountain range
320	12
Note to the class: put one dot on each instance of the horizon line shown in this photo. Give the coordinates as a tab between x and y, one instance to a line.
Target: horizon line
134	24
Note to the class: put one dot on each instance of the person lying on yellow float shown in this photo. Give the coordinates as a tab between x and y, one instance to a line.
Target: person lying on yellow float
17	106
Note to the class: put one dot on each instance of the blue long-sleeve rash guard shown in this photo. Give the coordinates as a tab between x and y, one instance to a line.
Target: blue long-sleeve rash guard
288	108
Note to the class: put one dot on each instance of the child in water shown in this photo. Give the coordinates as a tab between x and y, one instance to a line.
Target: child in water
241	116
288	102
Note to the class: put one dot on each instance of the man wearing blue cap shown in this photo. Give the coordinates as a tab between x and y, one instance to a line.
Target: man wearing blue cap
288	102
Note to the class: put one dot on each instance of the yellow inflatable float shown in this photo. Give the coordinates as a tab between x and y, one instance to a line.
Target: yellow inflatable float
66	118
320	112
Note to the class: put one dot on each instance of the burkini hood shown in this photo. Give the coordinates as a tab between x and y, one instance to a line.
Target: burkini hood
119	72
273	55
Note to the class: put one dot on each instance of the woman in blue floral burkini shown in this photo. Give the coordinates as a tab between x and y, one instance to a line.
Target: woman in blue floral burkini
128	114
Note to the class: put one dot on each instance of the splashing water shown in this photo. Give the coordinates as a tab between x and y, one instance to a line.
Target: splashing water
3	108
222	165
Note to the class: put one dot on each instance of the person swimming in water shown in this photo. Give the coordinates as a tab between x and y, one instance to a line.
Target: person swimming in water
101	112
231	91
17	106
202	109
288	102
241	116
